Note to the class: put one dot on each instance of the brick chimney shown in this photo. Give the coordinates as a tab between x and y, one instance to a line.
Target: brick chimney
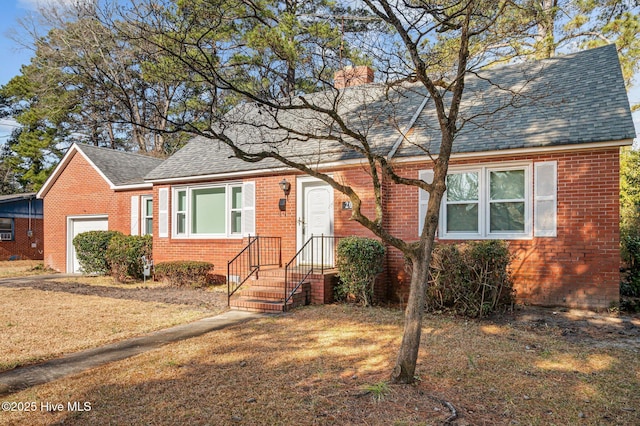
352	76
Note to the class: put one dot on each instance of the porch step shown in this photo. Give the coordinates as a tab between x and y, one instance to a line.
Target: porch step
273	273
270	282
265	293
257	305
269	298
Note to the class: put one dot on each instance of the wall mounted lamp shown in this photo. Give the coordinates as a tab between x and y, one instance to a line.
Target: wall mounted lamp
285	186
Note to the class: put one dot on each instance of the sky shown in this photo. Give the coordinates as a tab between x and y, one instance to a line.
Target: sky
13	56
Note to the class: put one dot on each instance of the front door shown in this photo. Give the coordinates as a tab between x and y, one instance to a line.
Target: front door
315	217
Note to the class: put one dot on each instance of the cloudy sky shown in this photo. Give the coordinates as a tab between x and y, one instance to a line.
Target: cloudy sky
13	56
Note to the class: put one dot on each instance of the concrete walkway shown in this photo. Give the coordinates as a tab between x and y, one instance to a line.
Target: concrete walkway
25	377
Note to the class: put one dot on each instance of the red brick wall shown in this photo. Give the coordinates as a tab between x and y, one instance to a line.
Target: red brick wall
21	245
579	267
80	190
270	222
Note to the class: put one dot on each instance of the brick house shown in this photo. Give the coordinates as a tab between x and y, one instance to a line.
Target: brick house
536	163
94	189
21	227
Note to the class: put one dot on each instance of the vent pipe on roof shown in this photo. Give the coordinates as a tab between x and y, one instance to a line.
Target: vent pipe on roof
352	76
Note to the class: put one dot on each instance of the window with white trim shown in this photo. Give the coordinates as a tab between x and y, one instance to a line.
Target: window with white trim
489	201
147	215
215	211
462	203
6	229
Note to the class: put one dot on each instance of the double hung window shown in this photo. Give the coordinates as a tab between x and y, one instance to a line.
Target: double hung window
147	215
487	202
496	201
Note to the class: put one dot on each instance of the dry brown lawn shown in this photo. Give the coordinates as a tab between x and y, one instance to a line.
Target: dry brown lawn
47	320
21	268
329	365
106	281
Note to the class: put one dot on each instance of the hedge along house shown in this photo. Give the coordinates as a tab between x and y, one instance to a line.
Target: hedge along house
21	227
536	164
94	189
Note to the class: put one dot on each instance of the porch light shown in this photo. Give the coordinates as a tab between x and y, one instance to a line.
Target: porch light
285	186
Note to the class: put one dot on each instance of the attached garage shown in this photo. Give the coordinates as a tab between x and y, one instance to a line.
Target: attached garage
94	189
78	225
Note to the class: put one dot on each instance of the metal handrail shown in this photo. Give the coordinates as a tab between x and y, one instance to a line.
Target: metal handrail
296	272
259	251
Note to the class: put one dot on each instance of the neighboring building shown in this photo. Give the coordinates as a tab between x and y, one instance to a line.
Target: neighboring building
21	227
94	189
540	170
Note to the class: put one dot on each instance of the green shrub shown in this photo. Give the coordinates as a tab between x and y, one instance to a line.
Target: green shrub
91	249
124	255
184	273
630	285
359	260
471	279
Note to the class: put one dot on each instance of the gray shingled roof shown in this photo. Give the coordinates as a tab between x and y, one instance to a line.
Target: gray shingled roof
121	168
9	198
572	99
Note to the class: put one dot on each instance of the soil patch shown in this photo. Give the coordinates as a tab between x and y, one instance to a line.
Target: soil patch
599	329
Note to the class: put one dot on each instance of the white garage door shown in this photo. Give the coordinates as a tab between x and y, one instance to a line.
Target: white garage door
78	226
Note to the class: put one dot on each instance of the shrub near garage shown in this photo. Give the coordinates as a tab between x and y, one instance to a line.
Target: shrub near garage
124	255
184	273
358	260
91	248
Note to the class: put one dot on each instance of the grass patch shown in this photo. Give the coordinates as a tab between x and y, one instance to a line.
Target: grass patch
378	390
22	268
312	367
36	325
107	281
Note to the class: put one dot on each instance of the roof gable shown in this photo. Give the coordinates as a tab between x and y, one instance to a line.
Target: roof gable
120	170
566	100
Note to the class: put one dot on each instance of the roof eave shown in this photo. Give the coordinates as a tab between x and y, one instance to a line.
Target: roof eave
133	186
524	151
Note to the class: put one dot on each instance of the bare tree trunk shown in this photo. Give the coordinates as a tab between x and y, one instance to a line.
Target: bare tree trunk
404	370
546	25
290	81
112	136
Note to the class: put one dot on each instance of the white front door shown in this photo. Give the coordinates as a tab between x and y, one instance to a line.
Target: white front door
77	226
315	216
